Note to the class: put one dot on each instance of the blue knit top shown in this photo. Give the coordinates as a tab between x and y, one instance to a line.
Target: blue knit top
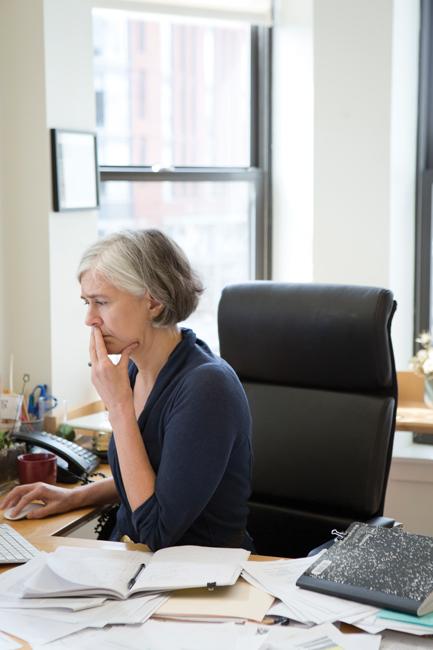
196	427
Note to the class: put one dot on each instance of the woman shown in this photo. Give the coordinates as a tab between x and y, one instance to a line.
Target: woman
181	450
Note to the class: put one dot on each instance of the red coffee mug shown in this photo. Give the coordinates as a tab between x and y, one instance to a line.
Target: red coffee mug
37	467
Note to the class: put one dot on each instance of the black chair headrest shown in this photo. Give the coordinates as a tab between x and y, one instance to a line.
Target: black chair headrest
316	335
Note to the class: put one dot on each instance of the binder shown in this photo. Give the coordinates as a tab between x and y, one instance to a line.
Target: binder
384	567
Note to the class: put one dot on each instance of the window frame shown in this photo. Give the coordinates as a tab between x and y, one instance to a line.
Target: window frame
424	174
259	171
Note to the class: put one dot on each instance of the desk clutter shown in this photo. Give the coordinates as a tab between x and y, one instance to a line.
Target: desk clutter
188	598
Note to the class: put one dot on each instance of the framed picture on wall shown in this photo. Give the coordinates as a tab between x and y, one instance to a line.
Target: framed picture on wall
75	170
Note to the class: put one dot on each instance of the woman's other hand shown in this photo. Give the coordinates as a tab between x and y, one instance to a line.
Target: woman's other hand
55	499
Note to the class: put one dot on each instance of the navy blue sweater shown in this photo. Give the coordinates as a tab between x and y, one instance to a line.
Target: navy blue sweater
196	427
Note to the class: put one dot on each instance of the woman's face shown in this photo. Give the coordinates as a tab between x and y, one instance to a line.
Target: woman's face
122	317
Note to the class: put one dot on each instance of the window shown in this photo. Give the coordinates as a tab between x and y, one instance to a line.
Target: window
183	142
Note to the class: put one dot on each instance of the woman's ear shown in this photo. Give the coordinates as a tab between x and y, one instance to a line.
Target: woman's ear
155	307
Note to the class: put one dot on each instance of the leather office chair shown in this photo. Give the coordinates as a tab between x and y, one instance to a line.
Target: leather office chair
317	365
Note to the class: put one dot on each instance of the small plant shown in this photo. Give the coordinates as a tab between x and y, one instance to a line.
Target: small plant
5	439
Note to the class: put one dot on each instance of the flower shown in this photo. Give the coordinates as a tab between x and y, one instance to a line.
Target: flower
422	362
424	339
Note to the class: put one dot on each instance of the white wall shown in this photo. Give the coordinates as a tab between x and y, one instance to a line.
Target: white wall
70	104
345	106
26	191
2	255
46	81
293	126
352	107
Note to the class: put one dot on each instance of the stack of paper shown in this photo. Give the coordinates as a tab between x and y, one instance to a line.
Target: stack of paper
279	577
41	625
33	610
40	620
189	636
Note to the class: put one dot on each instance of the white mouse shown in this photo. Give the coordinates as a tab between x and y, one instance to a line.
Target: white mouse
22	513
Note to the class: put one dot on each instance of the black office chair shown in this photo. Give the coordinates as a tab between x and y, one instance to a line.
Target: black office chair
317	365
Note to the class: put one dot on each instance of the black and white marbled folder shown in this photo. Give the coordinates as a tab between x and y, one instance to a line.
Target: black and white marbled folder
384	567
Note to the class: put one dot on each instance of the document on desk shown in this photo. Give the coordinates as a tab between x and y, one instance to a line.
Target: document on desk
68	604
77	572
164	635
6	643
45	625
189	636
279	577
240	601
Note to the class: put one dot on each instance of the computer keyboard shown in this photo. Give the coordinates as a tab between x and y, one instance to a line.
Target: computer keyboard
14	548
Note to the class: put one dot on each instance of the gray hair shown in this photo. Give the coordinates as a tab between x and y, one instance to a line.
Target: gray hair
141	261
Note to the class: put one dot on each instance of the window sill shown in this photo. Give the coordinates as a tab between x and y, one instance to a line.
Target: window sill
411	461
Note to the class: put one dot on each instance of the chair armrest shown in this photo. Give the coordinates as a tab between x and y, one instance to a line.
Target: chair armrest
383	522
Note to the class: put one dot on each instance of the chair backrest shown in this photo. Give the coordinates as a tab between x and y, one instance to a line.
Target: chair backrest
317	365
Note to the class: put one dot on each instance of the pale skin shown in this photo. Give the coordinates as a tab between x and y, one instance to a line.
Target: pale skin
120	323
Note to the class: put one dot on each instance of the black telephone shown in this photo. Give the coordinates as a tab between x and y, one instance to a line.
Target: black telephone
73	462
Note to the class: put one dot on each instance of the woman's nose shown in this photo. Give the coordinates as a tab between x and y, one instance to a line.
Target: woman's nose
92	318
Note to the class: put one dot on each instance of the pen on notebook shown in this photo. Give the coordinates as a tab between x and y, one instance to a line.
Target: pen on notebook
133	580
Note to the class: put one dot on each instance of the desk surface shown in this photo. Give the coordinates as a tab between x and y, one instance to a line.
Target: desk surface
415	417
412	412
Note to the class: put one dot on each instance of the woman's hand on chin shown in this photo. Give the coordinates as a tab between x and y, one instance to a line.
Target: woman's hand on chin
110	380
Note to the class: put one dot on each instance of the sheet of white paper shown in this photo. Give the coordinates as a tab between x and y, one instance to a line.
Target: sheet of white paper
71	567
169	575
131	611
369	623
33	628
161	635
319	637
43	625
201	555
72	604
6	643
192	566
396	641
11	582
417	630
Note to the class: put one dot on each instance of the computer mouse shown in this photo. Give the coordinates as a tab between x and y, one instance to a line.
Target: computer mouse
22	513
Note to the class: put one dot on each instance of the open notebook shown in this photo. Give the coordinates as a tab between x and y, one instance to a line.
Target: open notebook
89	572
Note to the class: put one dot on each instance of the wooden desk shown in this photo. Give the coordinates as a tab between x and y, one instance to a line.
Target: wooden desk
417	418
412	412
